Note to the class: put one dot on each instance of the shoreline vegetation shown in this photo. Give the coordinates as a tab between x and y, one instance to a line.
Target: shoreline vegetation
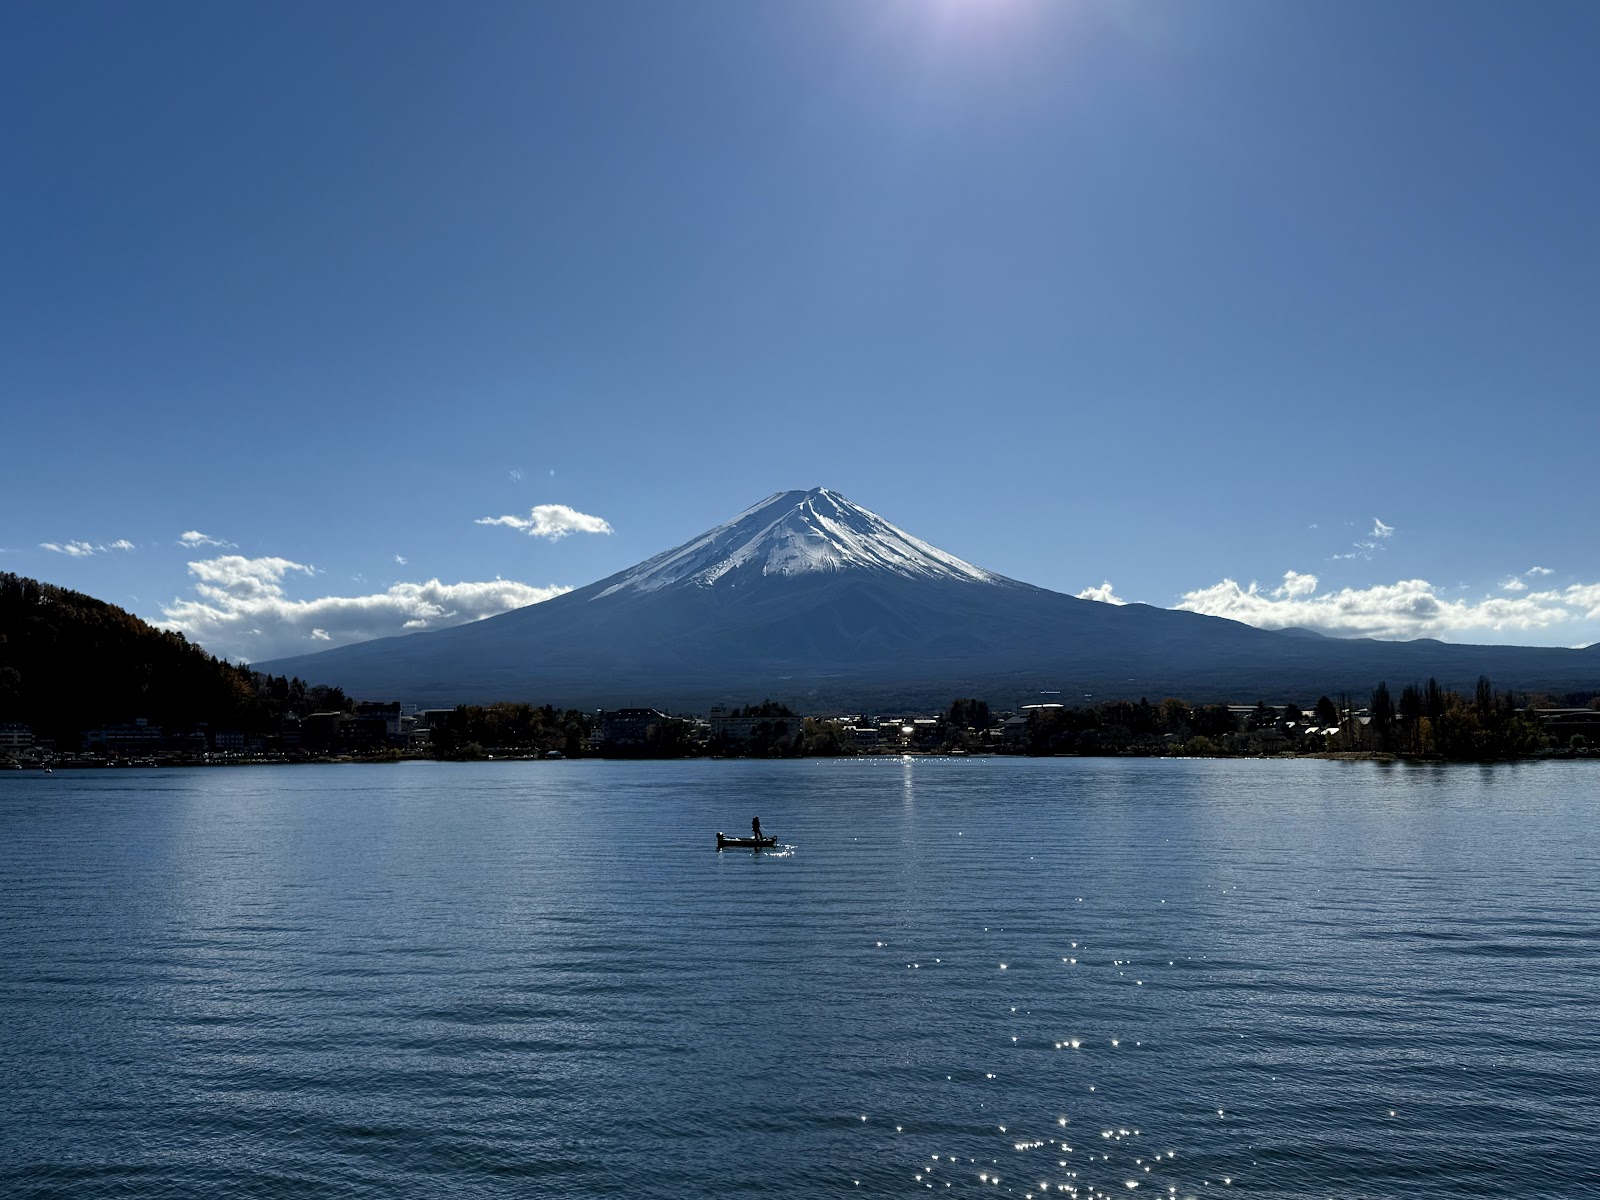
86	684
1427	725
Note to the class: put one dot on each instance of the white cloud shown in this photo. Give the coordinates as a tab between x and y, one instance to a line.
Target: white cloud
1513	584
193	538
552	521
1296	585
1408	608
1374	540
516	475
1538	571
80	549
241	608
1585	596
1103	594
401	559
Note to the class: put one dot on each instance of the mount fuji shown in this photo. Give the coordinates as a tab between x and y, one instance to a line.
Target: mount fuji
809	598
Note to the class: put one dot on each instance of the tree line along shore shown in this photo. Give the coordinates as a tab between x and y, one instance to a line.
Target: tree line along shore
84	682
1424	723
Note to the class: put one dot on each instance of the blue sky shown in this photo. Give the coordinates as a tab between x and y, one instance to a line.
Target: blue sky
1176	297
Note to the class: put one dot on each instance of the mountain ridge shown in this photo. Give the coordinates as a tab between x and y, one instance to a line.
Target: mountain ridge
808	597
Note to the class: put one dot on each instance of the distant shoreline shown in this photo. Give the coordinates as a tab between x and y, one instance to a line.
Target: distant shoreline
8	768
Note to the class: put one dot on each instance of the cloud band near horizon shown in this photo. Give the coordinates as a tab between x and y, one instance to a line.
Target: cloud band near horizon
242	609
1405	609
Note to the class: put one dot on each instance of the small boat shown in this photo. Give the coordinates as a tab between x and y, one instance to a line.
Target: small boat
724	842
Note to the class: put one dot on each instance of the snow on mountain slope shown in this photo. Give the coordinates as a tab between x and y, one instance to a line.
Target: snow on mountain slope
797	533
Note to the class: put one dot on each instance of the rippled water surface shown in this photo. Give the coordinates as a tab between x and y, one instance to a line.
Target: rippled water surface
984	977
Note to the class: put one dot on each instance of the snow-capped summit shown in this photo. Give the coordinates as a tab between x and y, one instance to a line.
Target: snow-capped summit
797	533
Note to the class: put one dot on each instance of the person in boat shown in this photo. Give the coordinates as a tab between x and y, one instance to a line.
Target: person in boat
755	829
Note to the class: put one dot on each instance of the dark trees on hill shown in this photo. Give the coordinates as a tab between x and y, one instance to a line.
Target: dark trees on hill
69	663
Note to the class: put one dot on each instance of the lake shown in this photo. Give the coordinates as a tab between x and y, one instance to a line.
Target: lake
976	976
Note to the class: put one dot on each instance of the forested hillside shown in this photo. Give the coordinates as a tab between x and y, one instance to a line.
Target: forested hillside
69	662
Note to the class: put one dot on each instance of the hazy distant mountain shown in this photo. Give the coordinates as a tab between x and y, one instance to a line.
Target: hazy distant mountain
810	598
